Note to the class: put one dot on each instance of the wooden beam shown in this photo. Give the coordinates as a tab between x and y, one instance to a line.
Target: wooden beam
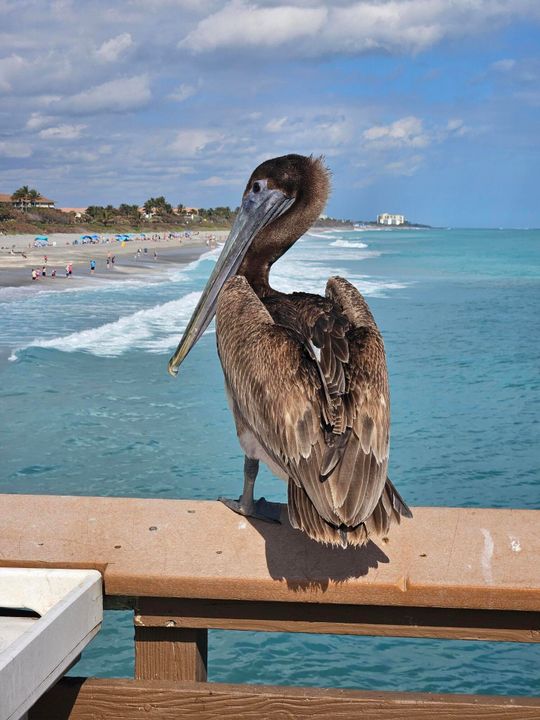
170	653
445	557
508	626
76	699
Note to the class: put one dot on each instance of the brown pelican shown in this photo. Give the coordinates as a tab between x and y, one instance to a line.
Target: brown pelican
305	375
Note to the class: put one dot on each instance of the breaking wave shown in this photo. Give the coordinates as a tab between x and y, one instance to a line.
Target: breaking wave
156	329
348	244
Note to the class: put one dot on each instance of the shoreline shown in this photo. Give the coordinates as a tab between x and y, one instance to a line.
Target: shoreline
16	268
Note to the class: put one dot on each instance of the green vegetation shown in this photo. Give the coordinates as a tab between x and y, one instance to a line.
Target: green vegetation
154	214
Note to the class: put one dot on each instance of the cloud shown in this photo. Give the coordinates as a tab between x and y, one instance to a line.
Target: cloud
406	132
182	92
408	166
111	49
350	26
37	121
188	143
62	132
217	181
239	24
503	65
10	67
276	125
15	149
118	95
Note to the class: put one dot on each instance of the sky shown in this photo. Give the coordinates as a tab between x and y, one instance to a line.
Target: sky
429	108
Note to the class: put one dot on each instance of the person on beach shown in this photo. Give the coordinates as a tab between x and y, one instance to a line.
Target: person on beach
112	261
43	271
155	255
92	266
53	273
45	259
67	270
34	275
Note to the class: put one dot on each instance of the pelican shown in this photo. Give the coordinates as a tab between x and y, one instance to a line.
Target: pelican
305	375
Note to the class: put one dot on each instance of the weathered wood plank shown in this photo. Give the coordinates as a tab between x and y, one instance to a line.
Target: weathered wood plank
444	557
170	653
131	699
508	626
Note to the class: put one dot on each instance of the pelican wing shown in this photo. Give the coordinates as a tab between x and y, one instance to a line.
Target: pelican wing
308	378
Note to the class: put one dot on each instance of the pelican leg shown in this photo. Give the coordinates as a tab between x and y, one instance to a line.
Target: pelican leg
260	509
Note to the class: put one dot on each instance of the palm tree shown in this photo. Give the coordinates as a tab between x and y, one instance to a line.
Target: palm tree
21	196
33	196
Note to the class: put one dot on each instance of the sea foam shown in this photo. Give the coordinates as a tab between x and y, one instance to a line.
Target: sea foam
348	244
155	329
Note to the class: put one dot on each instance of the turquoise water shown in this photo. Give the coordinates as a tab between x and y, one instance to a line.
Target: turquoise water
87	408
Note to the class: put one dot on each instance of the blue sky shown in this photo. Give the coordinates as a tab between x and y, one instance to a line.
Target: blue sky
429	108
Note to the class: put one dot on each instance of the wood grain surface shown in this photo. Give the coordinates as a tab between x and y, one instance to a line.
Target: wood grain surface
444	557
99	699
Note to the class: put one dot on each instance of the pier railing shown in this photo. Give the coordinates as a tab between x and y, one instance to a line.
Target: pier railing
188	566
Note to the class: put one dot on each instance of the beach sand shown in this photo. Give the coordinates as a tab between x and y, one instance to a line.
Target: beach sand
18	257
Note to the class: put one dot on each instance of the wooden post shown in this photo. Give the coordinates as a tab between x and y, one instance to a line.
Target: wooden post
171	654
168	652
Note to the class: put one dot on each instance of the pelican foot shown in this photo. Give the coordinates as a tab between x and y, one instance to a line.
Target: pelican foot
261	509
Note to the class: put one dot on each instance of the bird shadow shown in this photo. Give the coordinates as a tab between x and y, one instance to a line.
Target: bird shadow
307	565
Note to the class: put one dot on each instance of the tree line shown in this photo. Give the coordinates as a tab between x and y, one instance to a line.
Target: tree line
156	208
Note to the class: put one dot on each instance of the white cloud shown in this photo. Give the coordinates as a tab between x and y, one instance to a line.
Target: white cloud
117	95
406	132
240	24
182	92
407	166
62	132
217	181
188	143
350	26
111	49
37	121
276	125
10	67
15	149
503	65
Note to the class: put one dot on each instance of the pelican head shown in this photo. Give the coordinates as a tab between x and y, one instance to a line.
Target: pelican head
273	189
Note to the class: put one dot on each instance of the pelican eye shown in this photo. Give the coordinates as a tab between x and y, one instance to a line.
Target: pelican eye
257	187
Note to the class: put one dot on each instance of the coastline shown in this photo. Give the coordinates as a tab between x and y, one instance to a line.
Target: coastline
17	259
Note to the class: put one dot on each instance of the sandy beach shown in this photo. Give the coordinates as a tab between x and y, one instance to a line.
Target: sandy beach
18	257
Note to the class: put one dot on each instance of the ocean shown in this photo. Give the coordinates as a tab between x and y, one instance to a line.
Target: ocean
87	408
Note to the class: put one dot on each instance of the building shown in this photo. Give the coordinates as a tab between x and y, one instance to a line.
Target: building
388	219
22	203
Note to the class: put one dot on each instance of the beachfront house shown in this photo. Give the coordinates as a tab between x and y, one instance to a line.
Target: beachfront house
389	219
23	202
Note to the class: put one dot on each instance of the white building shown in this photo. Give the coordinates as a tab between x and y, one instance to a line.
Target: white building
388	219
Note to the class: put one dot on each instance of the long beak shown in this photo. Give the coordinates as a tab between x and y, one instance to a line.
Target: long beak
257	211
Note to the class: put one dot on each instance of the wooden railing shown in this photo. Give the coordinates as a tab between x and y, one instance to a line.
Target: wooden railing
188	566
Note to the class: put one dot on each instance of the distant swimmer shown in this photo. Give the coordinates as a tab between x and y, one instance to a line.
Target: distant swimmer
92	266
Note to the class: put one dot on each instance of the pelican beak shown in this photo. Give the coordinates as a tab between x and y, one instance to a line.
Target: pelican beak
258	210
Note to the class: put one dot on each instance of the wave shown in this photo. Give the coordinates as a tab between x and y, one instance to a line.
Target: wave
348	244
317	235
156	329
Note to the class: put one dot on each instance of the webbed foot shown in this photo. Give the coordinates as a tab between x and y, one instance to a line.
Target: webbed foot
261	509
